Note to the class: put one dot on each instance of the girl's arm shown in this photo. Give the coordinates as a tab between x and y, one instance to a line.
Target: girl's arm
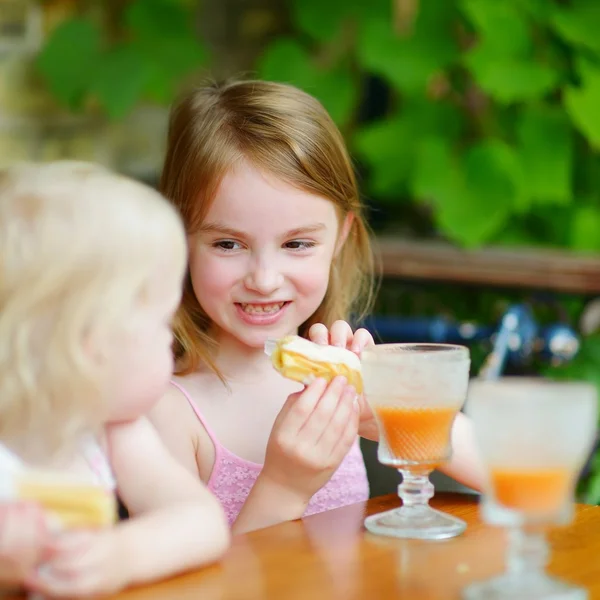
465	465
176	524
312	434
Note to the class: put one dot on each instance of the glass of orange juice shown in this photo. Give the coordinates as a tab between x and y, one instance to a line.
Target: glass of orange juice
415	392
534	437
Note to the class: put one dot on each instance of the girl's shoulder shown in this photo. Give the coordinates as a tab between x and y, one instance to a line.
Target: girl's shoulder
173	407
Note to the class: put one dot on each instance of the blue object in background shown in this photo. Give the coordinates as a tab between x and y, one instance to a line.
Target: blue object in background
516	339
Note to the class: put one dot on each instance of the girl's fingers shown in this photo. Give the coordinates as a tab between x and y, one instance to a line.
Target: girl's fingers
319	334
340	334
323	412
347	438
301	407
362	339
338	421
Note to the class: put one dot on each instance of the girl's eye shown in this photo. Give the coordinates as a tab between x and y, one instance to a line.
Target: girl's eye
300	244
227	245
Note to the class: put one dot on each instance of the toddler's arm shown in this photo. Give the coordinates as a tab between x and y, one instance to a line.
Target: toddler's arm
176	524
23	536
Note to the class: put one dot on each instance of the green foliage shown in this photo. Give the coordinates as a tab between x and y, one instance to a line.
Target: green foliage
155	47
493	110
489	133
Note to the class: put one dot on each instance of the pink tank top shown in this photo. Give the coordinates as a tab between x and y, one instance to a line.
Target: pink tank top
232	477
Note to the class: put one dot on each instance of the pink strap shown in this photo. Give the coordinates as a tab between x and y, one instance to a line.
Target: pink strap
213	438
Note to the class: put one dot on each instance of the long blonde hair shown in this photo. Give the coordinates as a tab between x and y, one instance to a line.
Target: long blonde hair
280	130
78	249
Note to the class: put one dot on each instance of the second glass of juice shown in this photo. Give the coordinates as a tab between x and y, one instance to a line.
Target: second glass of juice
534	437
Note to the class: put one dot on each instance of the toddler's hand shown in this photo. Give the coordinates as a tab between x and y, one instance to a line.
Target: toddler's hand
311	436
24	533
341	335
83	563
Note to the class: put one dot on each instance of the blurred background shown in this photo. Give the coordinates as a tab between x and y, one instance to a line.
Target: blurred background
474	126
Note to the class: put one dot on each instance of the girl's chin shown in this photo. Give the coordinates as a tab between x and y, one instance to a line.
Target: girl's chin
257	341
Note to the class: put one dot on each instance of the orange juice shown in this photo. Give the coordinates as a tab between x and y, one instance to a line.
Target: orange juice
417	433
532	490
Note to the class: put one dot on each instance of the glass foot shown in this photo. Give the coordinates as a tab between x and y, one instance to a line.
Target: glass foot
523	587
416	522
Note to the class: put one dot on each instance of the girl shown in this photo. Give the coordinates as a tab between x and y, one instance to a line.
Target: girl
277	245
90	275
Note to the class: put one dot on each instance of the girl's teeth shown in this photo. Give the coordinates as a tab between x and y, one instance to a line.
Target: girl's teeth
262	308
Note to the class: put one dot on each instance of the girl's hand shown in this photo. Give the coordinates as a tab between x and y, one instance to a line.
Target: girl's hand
341	335
24	532
82	563
311	436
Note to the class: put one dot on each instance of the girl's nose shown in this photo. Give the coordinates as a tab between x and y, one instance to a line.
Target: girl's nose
263	279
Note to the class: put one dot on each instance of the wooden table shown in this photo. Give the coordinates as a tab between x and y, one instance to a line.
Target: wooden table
331	556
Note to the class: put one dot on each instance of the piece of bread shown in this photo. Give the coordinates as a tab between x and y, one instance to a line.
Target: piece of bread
302	360
72	503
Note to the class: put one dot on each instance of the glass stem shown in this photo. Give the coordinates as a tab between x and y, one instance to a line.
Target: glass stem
527	552
415	490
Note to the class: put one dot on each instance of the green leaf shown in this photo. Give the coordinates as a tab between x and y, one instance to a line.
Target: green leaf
386	146
321	20
502	62
435	174
390	146
581	103
475	197
409	61
179	56
287	61
592	492
579	23
503	30
162	34
67	60
585	229
338	92
539	10
511	80
545	151
119	80
153	19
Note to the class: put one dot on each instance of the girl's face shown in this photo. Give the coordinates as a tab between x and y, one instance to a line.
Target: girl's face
260	263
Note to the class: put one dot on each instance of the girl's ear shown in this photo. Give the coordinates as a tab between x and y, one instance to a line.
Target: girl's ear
344	232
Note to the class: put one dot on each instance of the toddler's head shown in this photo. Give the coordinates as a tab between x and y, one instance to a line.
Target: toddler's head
91	265
253	168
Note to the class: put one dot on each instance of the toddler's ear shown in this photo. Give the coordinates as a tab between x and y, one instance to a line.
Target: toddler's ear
344	232
95	345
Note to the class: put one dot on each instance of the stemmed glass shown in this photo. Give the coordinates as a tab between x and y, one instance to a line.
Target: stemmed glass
415	392
534	437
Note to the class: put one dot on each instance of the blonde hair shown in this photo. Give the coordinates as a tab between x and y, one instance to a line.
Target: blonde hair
287	133
79	246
